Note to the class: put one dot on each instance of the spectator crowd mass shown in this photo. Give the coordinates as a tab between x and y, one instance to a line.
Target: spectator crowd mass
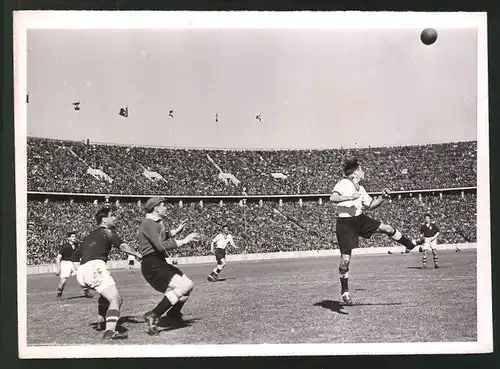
84	168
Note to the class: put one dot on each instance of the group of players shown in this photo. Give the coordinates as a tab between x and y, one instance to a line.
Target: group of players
156	242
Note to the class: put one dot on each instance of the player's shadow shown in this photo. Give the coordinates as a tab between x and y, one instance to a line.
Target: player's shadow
165	324
414	267
335	306
79	297
223	279
100	327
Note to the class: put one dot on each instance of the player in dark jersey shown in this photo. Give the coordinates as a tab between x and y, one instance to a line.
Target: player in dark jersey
154	242
93	272
67	262
430	232
351	198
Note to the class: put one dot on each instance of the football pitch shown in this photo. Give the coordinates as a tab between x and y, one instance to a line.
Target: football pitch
280	301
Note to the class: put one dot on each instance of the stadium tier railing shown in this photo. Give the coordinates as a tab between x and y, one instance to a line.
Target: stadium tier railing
216	198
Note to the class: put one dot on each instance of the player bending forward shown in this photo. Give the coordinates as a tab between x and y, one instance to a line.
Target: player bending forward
222	240
154	243
93	272
430	233
350	198
67	262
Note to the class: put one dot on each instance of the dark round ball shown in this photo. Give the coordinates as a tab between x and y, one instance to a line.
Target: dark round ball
428	36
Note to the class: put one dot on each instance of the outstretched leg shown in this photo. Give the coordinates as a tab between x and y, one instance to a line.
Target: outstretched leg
396	235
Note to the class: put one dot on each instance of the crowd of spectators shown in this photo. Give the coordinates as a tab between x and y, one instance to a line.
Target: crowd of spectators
255	227
61	166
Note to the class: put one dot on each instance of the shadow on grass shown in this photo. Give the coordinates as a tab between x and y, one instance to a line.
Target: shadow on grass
100	327
337	306
78	297
165	324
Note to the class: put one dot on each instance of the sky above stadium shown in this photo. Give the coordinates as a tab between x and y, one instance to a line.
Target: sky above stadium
312	88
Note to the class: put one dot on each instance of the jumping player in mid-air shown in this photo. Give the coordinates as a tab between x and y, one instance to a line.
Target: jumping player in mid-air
67	262
93	272
222	240
430	232
351	198
154	242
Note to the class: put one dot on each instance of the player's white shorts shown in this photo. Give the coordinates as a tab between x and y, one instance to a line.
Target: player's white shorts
68	269
95	274
428	244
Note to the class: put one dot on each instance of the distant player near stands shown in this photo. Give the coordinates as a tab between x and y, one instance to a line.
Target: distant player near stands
93	271
154	242
131	263
222	240
430	233
350	198
67	262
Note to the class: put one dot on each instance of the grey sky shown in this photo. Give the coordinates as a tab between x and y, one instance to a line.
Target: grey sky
313	88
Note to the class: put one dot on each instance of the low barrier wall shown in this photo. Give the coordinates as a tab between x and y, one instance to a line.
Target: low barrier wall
118	264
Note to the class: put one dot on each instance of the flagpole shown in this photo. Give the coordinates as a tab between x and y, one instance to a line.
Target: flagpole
217	133
173	131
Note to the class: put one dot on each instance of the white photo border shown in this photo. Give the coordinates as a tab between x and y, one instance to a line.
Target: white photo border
25	20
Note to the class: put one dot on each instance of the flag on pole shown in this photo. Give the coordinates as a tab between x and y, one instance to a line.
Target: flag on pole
171	113
216	117
124	112
258	118
76	105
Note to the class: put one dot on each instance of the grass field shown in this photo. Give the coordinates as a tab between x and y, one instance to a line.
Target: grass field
281	301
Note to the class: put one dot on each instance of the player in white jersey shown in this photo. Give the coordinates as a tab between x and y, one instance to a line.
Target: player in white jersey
351	198
222	240
131	262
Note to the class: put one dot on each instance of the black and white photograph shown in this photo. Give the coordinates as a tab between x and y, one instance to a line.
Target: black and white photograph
193	184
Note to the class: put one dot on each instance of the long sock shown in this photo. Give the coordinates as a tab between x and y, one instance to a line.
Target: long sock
60	290
343	285
435	258
176	309
102	307
112	319
424	258
166	303
403	240
217	270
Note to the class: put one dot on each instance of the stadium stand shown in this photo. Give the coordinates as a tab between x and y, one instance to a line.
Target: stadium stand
63	166
76	167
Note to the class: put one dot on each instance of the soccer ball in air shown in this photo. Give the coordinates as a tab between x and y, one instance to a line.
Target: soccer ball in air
428	36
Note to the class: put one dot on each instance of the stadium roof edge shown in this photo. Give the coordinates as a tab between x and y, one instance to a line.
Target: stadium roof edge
248	149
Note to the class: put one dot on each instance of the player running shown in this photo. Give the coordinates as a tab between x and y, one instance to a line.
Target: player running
430	232
67	262
93	272
351	198
154	243
222	240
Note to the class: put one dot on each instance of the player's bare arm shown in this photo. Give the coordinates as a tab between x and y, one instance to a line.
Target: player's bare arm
376	202
192	237
128	250
336	197
179	229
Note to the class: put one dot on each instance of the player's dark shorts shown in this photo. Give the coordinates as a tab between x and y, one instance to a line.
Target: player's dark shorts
219	255
349	230
157	272
130	262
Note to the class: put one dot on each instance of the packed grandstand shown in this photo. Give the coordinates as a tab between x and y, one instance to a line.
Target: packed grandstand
300	178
